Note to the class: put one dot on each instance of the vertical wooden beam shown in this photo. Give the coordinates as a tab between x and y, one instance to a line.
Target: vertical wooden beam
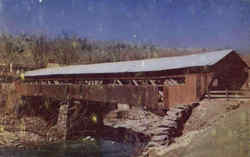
11	67
227	94
208	94
166	99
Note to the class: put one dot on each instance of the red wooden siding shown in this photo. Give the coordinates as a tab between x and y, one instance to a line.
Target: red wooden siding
194	88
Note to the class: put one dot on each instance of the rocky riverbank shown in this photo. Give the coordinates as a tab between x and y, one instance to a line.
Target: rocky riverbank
161	130
21	132
142	128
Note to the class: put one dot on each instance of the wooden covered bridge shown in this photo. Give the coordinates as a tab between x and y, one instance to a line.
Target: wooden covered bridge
154	84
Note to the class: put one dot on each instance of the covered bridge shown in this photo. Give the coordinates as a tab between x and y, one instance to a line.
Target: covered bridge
154	83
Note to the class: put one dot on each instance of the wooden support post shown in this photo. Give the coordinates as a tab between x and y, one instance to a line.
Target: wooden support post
168	82
152	82
208	94
11	67
174	82
119	82
135	83
227	94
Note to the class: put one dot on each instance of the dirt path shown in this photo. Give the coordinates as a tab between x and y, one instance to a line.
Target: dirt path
207	113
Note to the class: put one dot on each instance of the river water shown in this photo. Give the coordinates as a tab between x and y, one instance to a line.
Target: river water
97	148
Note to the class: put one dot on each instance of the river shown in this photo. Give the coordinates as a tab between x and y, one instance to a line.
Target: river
91	148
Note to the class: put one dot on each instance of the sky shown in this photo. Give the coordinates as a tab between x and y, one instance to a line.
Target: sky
166	23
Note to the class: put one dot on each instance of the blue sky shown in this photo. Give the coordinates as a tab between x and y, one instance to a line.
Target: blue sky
167	23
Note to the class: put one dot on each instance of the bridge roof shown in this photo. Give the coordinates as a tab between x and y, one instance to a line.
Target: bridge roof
147	65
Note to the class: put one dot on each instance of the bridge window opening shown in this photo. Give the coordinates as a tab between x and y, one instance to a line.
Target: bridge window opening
61	82
100	82
88	82
117	83
159	82
126	82
93	82
152	82
140	82
145	82
180	80
174	81
167	83
135	82
50	82
107	82
161	94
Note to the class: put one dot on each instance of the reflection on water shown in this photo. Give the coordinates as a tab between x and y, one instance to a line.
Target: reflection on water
100	148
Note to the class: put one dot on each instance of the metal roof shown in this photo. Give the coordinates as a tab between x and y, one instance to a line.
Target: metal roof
147	65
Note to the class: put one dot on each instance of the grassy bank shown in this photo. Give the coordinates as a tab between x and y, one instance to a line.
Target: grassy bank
227	135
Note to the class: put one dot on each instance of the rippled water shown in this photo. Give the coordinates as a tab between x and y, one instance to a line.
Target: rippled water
101	148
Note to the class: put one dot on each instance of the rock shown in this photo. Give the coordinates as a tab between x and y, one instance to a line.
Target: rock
169	124
173	112
185	107
152	153
8	139
174	115
123	114
158	131
160	138
233	107
161	129
54	134
178	110
152	144
175	119
123	107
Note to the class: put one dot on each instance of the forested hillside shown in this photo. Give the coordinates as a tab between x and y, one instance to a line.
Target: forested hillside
68	49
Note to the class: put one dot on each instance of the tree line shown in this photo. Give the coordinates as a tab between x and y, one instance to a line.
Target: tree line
69	49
